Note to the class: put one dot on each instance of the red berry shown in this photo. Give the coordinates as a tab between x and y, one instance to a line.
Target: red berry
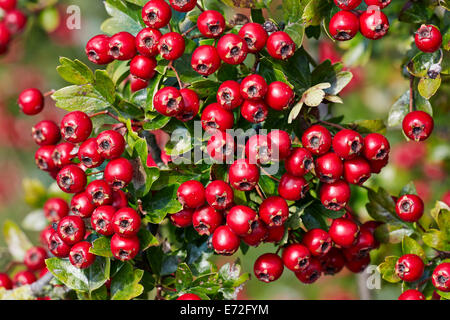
357	170
76	126
205	220
31	101
292	188
143	67
45	133
300	162
373	24
317	139
81	205
89	155
311	273
441	277
57	246
428	38
229	95
64	153
317	241
411	294
376	147
347	4
156	14
335	196
225	241
124	249
15	21
171	46
23	278
259	234
205	60
102	220
275	234
215	117
240	219
380	3
219	195
119	199
253	87
118	173
71	179
126	222
344	232
122	46
43	158
97	50
99	192
147	42
254	111
44	236
8	5
111	144
280	45
296	257
5	38
329	167
258	149
255	36
358	265
191	194
183	218
80	256
71	229
168	101
188	296
332	262
280	144
279	96
274	211
268	267
5	281
344	25
347	143
211	23
35	258
409	207
183	6
232	49
377	165
220	146
243	175
55	209
365	242
191	105
418	125
409	267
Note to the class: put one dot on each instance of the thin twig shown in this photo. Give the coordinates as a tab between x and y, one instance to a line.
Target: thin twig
331	124
270	176
200	7
189	30
411	93
104	112
420	226
259	191
48	93
95	172
176	75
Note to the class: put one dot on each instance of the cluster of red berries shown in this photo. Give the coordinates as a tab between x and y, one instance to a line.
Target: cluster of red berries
12	22
372	23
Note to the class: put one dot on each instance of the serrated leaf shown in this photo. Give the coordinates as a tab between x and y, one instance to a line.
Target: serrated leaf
436	239
388	233
125	284
16	240
74	71
101	247
387	269
410	246
296	31
183	277
84	98
315	11
123	18
428	87
162	203
370	126
146	239
104	85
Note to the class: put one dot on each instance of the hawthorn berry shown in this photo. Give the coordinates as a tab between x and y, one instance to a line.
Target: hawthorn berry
229	95
118	173
255	36
5	38
220	146
64	153
357	170
126	222
188	296
122	46
373	24
143	67
347	143
243	175
71	229
15	21
428	38
299	163
240	219
311	273
377	165
183	218
111	144
280	45
268	267
168	101
124	249
344	232
280	144
411	294
35	258
380	3
23	278
102	220
418	125
45	234
292	188
376	147
358	265
365	242
317	241
171	46
219	194
31	101
333	262
254	111
46	132
80	256
8	5
191	105
258	149
81	205
335	196
119	199
211	23
232	49
205	60
344	25
441	277
275	234
183	6
156	14
347	4
97	50
147	42
253	87
89	155
5	281
274	211
409	267
279	95
99	192
57	246
259	234
71	179
329	167
43	158
214	117
76	126
317	139
225	241
409	207
191	194
206	219
296	257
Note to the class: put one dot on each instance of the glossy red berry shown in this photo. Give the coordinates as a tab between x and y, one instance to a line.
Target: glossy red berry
335	196
411	294
300	162
258	149
46	132
317	241
275	234
118	173
143	67
97	50
329	167
80	256
357	170
220	146
64	153
43	158
171	46
279	96
280	144
124	249
219	194
183	6
225	241
243	175
191	105
379	3
373	24
168	101
156	14
274	211
347	4
255	35
333	262
292	188
240	219
126	222
280	45
111	144
45	234
191	194
119	199
296	257
99	192
35	258
253	87
23	278
102	220
229	95
81	205
205	60
57	246
122	46
206	219
232	49
376	147
344	232
71	179
409	267
268	267
8	5
5	281
211	23
358	265
317	139
5	38
214	117
254	111
377	165
147	42
89	153
311	273
428	38
365	242
188	296
418	125
347	143
15	20
183	218
441	277
31	101
76	126
259	234
55	209
344	25
409	207
71	229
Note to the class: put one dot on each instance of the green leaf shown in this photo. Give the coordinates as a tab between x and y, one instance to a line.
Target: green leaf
436	239
146	239
292	8
104	85
438	207
410	246
183	277
410	188
102	247
123	18
296	31
125	284
156	122
84	98
416	12
370	126
387	269
422	61
295	111
428	87
388	233
16	240
401	107
74	71
163	202
35	194
315	11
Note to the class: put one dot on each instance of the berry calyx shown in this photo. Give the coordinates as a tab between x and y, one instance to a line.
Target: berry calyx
35	258
229	95
296	257
280	144
329	167
111	144
409	207
31	101
258	149
147	42
311	273
118	173
57	246
376	147
122	46
89	155
168	101
71	179
64	153
126	222
43	158
124	249
347	143
254	111
300	162
357	170
280	45
259	234
409	267
253	87
97	50
317	139
214	117
441	277
243	175
344	25
317	241
191	194
373	24
255	36
333	262
274	211
205	220
292	188
418	125
80	256
268	267
225	241
428	38
99	192
183	6
171	46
